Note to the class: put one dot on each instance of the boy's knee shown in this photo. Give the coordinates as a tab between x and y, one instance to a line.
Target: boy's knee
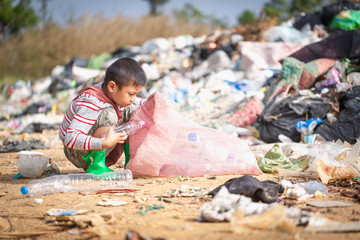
107	118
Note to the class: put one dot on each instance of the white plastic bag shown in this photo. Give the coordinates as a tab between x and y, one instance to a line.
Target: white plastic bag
32	164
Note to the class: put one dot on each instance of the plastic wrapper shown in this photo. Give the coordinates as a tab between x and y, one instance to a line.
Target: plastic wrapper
171	145
338	163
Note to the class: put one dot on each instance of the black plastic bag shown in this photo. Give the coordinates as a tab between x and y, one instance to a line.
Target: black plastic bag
249	186
347	128
281	117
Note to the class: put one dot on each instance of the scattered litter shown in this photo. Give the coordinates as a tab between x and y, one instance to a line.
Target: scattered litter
353	193
291	173
223	87
276	158
345	183
73	232
38	200
65	212
222	206
93	224
249	186
134	235
32	164
274	218
147	208
15	145
140	200
303	191
111	203
328	204
186	191
115	191
318	224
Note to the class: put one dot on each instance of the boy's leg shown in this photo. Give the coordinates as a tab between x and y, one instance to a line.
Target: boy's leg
107	118
75	157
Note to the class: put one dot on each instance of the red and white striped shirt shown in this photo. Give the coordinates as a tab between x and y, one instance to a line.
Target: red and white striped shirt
79	119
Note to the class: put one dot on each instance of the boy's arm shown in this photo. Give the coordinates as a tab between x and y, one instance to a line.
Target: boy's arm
129	110
84	118
139	101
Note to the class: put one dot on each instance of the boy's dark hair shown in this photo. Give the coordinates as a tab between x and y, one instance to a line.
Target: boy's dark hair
125	71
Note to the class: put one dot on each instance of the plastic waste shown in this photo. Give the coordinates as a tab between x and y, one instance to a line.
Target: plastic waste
312	186
283	33
130	127
249	186
318	223
291	173
155	46
354	78
275	158
224	204
275	218
86	182
304	190
307	127
334	162
347	20
32	164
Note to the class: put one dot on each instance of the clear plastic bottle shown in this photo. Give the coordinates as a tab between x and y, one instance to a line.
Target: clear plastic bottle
130	127
84	182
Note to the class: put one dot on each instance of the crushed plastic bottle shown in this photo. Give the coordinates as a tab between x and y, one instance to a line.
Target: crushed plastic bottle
130	127
84	182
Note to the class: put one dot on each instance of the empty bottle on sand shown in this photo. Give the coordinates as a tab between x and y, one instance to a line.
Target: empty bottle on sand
130	127
80	182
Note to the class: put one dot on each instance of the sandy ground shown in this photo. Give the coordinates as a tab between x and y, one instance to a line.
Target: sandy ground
22	217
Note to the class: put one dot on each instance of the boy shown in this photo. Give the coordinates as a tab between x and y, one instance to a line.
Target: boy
87	127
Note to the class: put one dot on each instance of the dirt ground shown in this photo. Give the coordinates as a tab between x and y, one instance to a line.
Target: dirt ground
177	217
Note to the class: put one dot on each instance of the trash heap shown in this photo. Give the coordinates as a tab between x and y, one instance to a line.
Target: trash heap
301	70
293	97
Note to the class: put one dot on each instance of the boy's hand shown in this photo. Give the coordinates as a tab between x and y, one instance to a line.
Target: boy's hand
113	138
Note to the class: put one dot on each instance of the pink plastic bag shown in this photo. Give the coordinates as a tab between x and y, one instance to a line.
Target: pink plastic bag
171	145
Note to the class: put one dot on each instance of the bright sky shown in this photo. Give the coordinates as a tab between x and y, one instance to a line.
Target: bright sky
228	10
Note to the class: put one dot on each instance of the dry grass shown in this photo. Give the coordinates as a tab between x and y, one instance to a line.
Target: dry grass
38	51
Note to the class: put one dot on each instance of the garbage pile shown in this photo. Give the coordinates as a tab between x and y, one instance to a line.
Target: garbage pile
256	90
293	97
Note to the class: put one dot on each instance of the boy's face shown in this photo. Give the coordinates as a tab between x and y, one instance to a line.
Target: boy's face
124	96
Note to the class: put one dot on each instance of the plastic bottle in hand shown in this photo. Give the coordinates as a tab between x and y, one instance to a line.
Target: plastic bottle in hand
130	127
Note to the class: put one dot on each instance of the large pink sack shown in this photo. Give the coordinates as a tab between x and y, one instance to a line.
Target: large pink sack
171	145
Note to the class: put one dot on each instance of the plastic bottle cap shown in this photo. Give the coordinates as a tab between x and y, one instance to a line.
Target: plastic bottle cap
24	190
142	124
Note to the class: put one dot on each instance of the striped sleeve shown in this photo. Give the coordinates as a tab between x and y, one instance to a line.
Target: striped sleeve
84	115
